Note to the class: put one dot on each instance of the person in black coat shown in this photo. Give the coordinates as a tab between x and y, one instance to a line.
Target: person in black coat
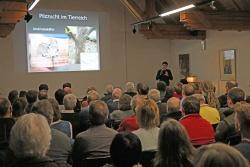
164	74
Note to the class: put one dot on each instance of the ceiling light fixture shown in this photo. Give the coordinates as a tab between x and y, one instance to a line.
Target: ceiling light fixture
33	5
177	10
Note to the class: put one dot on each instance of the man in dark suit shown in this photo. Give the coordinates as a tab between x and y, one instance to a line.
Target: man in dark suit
164	74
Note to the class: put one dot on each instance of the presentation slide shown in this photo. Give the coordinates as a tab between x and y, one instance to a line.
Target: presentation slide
60	41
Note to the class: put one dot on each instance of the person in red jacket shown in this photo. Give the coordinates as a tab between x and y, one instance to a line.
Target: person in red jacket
199	130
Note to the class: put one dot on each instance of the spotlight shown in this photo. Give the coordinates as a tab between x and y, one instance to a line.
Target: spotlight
134	30
27	17
212	5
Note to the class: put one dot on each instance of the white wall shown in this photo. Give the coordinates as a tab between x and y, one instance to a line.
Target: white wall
124	56
205	63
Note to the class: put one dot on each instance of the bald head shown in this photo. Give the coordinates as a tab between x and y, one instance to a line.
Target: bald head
173	104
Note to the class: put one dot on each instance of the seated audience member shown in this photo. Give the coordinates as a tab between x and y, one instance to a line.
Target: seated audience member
225	131
113	104
125	108
173	110
130	123
200	131
43	91
130	89
69	102
208	89
59	95
94	142
125	150
61	125
67	88
161	86
18	107
108	94
219	155
22	93
6	122
174	147
13	95
60	146
208	113
30	141
154	95
31	97
187	90
223	98
168	95
143	89
197	88
91	96
148	120
178	90
242	123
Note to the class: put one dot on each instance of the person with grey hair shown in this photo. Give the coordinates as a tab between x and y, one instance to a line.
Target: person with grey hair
113	104
154	95
125	109
94	142
60	147
30	142
173	110
223	98
130	89
108	93
69	102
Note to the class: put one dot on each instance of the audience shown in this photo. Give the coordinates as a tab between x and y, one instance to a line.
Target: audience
174	147
130	89
60	146
173	110
18	107
31	97
108	93
13	95
67	88
161	86
143	89
113	104
199	130
242	123
154	95
59	95
22	93
29	152
43	91
223	98
169	93
209	93
148	120
94	142
225	131
69	102
178	90
219	155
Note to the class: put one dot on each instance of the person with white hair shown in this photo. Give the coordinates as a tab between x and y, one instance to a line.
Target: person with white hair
30	141
69	102
113	104
155	95
130	89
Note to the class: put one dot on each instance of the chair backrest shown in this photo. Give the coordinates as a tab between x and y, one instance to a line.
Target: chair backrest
5	128
74	119
147	158
96	162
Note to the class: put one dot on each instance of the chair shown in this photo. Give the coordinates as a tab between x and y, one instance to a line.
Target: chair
147	158
74	119
96	162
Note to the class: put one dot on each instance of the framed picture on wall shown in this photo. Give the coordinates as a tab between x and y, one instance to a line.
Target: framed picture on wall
228	65
184	64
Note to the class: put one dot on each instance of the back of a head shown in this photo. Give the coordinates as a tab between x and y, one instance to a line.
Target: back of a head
18	107
13	95
200	97
242	119
59	95
230	85
69	101
5	106
98	112
109	88
67	84
92	96
191	105
56	110
22	93
236	95
154	94
173	104
117	93
43	87
130	87
137	100
174	146
218	155
161	86
124	102
44	108
178	87
148	115
143	90
125	150
30	136
187	90
169	92
207	86
31	96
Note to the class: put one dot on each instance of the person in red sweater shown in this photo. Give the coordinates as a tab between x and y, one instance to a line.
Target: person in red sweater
199	130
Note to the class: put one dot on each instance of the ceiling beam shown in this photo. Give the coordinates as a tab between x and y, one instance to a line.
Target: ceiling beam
134	9
150	8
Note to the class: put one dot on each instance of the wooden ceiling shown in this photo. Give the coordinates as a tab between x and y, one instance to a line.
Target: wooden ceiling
11	12
191	24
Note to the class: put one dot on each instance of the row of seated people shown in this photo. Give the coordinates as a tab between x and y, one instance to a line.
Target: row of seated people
146	119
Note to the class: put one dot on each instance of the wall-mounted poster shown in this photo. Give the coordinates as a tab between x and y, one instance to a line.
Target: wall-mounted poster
228	65
184	64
